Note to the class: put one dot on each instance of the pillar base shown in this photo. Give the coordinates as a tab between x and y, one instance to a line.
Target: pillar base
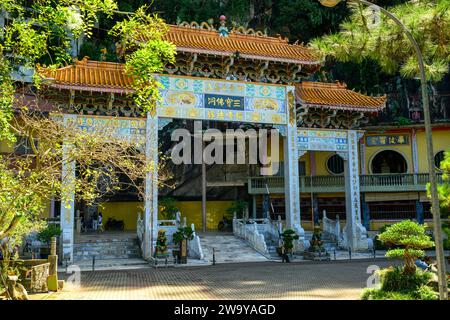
301	244
358	242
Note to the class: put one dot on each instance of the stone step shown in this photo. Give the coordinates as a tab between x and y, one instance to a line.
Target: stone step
228	248
108	246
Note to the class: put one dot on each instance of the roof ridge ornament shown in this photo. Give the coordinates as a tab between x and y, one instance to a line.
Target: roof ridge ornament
249	31
195	25
223	30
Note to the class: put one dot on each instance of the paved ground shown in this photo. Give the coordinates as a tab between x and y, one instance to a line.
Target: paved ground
263	280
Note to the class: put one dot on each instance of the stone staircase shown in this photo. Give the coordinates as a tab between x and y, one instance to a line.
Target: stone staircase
272	244
227	248
106	246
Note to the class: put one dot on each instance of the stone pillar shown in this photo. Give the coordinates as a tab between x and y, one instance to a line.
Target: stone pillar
52	207
415	156
151	187
355	235
291	177
67	216
419	212
366	215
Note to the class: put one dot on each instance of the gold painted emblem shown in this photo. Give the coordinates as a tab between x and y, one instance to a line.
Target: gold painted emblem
182	99
266	104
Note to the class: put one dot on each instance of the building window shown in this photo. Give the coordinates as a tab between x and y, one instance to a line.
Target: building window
438	158
23	146
389	161
335	164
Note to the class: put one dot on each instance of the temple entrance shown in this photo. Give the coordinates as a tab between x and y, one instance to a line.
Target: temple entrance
389	161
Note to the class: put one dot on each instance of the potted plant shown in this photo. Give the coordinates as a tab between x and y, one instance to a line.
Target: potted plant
45	236
161	245
181	237
288	237
239	207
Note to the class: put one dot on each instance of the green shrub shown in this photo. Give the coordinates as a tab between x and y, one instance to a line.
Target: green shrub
427	293
168	207
183	233
395	279
288	237
45	235
375	294
396	285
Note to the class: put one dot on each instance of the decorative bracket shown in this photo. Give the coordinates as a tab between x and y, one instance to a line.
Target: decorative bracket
343	155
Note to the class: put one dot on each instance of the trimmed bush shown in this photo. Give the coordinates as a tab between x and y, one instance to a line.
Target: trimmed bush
395	279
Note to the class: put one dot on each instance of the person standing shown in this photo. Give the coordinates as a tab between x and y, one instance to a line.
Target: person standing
100	222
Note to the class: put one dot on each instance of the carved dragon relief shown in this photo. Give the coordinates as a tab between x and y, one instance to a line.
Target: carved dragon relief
234	68
330	118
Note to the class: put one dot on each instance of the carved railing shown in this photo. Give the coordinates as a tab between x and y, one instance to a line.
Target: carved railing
249	232
170	226
368	183
331	228
195	247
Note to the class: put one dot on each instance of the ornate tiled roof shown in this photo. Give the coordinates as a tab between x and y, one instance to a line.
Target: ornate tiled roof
90	76
337	96
110	77
253	46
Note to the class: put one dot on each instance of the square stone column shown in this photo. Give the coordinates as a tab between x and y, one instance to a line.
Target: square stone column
151	187
291	176
355	234
67	216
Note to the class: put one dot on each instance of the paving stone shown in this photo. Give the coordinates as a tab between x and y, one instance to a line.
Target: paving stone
263	280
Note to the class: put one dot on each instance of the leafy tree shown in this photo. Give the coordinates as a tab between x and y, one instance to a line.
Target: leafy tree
444	188
146	52
412	239
29	181
40	31
366	35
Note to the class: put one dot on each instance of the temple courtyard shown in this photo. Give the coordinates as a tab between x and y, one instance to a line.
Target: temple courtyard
258	280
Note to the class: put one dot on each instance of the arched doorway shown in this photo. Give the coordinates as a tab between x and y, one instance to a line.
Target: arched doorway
389	161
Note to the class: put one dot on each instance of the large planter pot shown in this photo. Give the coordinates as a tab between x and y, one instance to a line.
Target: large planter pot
183	252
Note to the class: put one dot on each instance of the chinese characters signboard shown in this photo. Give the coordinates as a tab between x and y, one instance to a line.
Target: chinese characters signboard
322	140
224	102
209	99
387	140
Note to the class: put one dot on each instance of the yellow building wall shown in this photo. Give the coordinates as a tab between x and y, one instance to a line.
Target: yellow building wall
404	150
215	210
126	211
192	210
441	142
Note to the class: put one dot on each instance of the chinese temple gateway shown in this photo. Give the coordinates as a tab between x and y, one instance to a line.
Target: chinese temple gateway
245	79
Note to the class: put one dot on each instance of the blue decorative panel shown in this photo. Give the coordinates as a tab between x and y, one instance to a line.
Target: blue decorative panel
209	99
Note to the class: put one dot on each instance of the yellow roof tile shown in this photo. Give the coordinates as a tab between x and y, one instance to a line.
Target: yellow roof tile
337	96
90	75
188	39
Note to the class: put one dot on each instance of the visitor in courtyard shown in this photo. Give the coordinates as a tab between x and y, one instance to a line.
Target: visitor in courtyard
100	222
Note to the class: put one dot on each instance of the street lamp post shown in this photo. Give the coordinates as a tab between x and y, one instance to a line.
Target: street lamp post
443	295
